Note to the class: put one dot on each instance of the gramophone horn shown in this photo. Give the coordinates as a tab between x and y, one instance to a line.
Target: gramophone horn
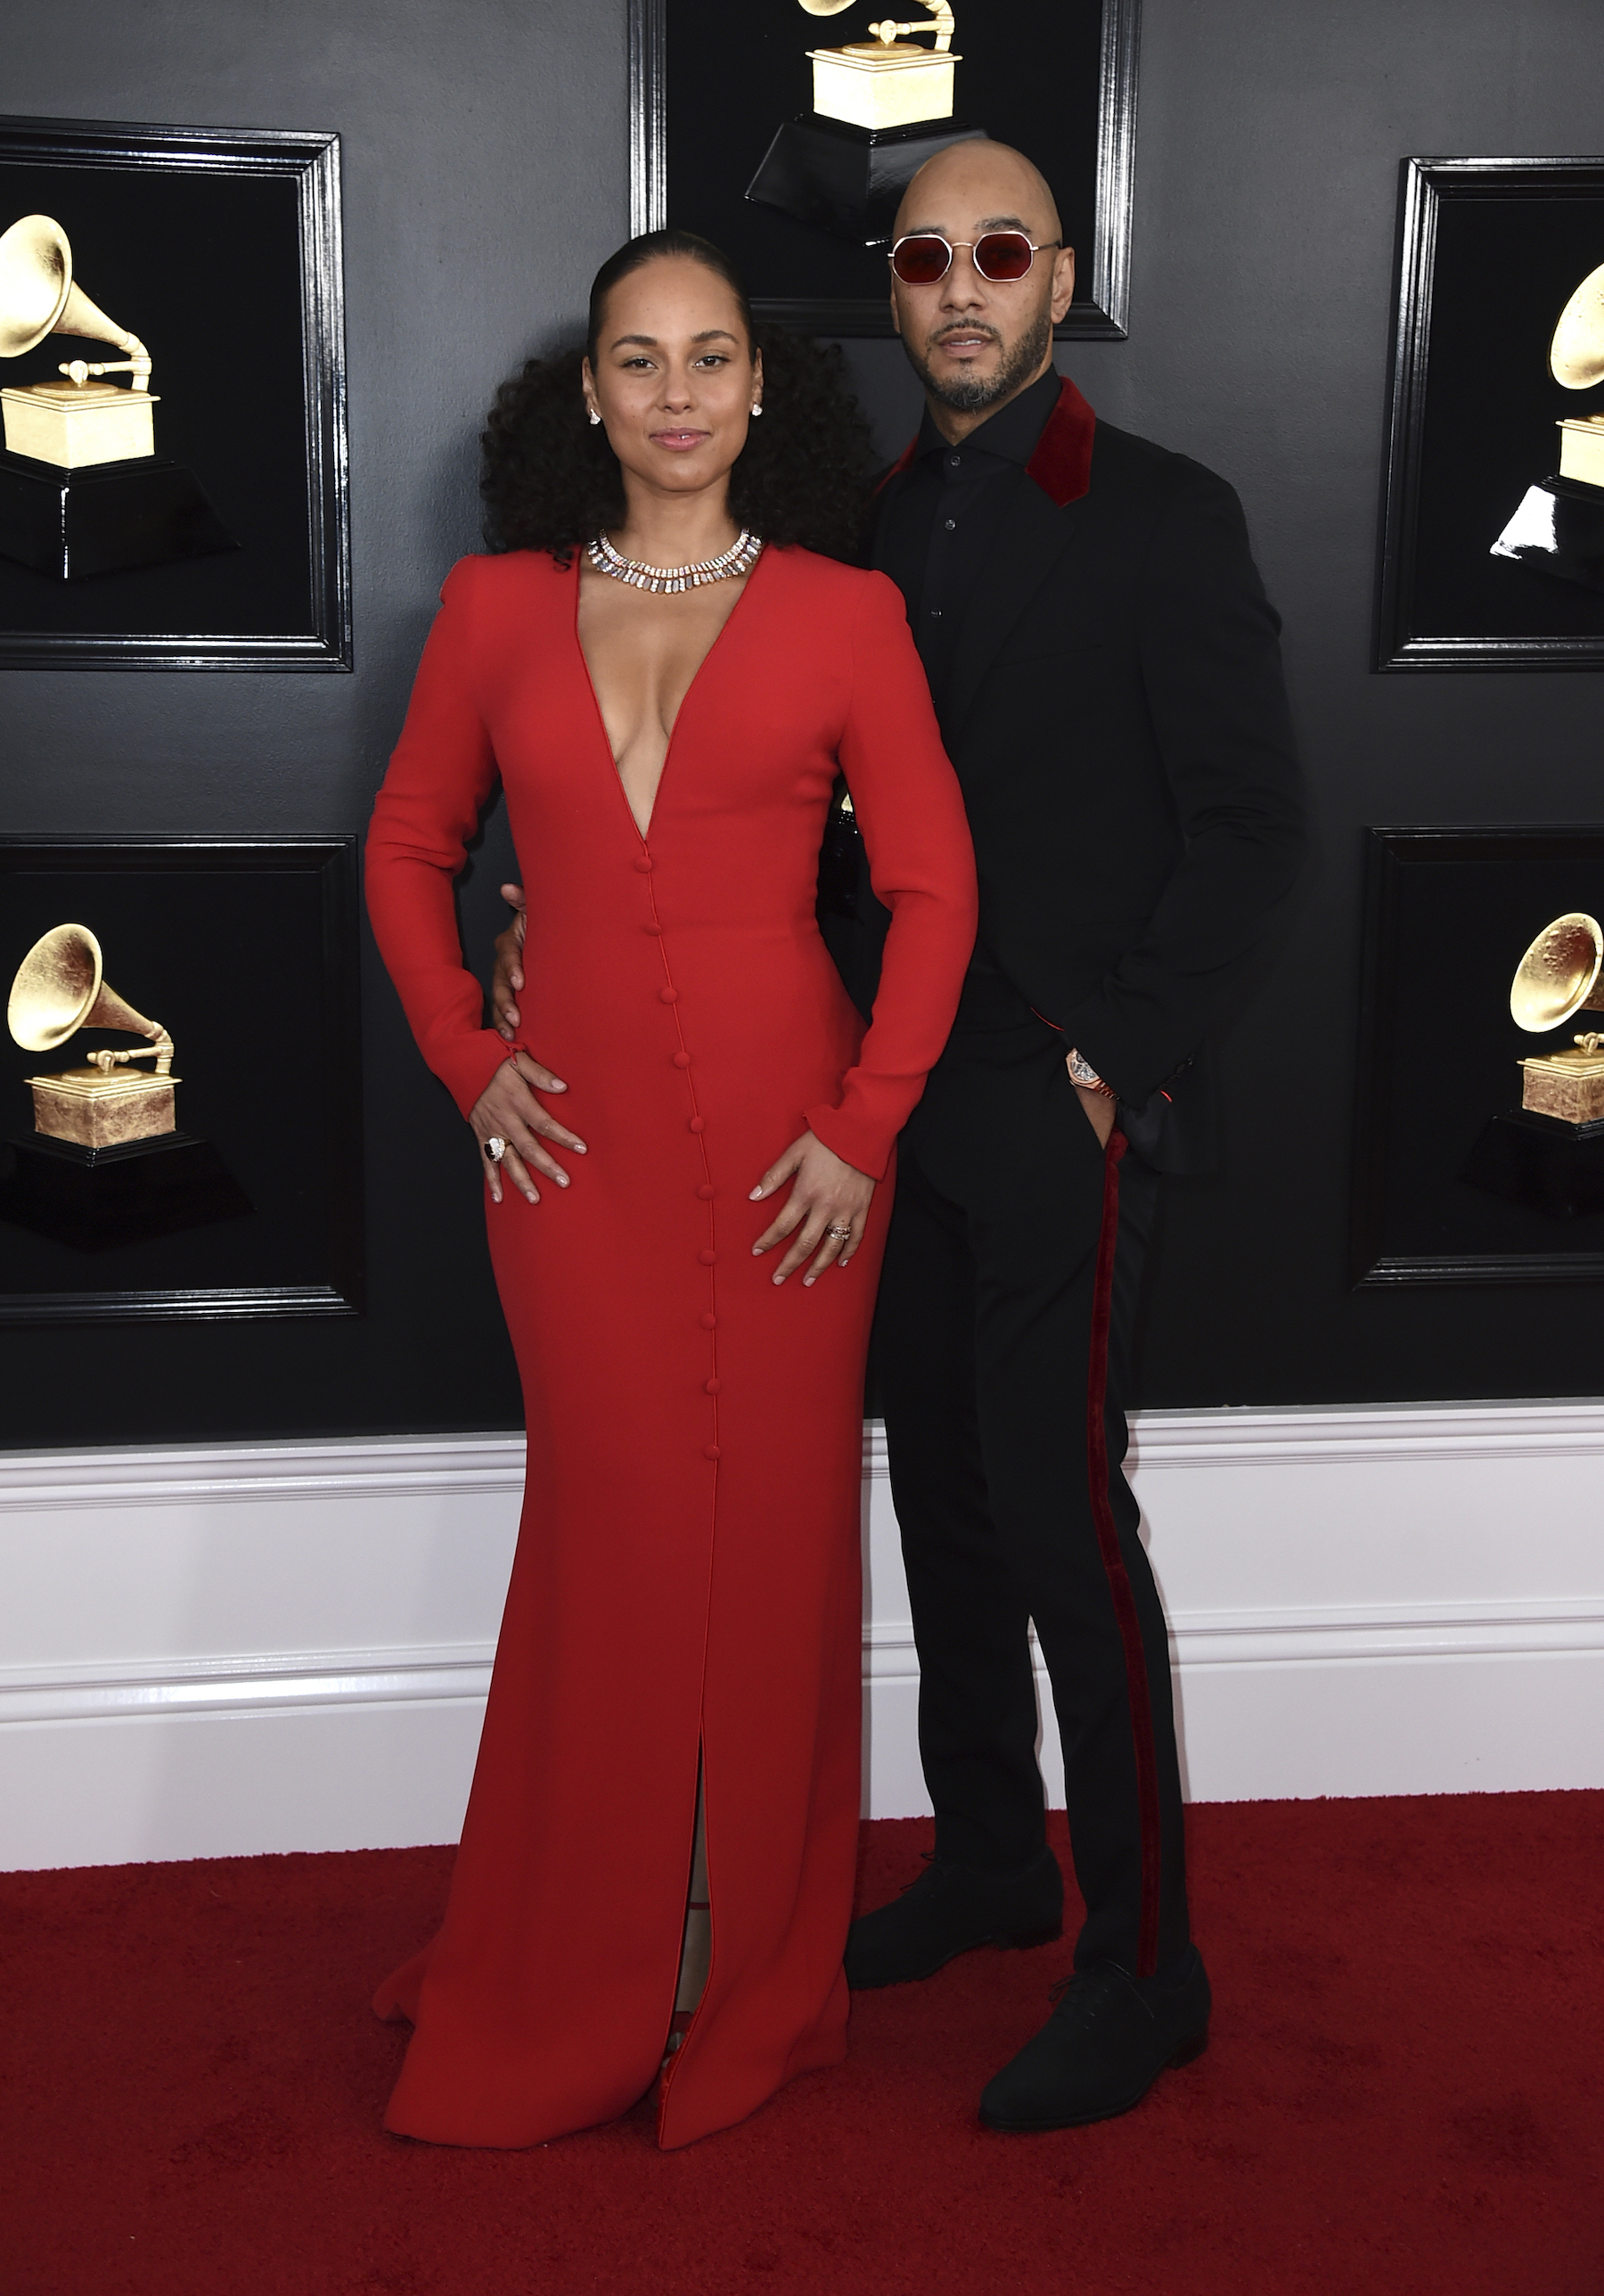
38	297
1558	975
1576	355
59	990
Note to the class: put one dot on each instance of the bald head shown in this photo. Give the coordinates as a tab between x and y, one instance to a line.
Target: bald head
980	183
976	341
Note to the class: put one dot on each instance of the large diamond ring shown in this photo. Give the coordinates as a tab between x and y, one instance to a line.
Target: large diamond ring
496	1149
840	1234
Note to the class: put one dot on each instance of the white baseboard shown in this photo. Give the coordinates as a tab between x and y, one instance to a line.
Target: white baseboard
222	1651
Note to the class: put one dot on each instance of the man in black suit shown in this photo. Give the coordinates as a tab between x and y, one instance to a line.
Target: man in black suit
1105	668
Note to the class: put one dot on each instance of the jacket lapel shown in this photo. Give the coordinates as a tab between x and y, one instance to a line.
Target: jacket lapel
1025	555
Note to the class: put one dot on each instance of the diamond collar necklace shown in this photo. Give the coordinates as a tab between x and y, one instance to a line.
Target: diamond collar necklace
739	558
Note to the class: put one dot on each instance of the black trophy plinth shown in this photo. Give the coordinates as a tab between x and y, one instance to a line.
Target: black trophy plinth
847	180
93	1198
1541	1160
1559	529
105	518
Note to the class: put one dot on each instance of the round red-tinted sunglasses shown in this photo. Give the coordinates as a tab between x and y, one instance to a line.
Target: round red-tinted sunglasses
924	257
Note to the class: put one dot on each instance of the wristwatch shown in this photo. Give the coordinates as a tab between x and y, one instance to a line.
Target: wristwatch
1082	1073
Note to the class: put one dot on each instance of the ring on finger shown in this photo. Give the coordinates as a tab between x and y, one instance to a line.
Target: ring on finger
842	1234
495	1148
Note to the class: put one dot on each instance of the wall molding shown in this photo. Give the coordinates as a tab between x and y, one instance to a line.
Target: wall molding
278	1681
237	1647
396	1466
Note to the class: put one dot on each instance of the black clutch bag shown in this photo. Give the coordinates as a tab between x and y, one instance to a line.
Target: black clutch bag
852	922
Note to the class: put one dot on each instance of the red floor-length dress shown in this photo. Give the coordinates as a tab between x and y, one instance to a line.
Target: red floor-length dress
687	1575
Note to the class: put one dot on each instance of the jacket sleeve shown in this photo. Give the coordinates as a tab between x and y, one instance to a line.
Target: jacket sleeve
439	777
922	865
1210	664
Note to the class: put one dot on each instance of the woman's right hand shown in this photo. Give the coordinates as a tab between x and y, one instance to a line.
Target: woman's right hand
507	1110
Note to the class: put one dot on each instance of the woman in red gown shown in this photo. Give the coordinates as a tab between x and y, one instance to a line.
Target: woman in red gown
681	1631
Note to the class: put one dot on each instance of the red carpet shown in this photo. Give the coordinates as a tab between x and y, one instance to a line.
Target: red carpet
1403	2097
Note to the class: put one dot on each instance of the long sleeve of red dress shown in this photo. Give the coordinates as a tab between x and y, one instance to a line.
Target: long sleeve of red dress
443	771
685	1596
909	810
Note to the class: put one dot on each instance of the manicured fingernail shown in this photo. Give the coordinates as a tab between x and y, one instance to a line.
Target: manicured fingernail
808	1282
756	1252
563	1180
755	1194
531	1193
779	1279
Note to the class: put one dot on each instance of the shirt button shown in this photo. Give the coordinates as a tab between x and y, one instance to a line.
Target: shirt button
714	1386
706	1192
707	1258
954	462
711	1451
682	1059
669	995
709	1322
951	524
644	864
697	1124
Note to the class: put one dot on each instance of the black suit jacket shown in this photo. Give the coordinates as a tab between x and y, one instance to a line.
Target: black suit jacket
1116	713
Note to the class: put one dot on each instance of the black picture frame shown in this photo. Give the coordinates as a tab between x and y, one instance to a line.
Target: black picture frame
247	950
1086	146
1449	914
1488	253
221	248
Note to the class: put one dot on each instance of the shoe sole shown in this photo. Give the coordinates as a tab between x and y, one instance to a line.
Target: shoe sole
1005	1942
1189	2052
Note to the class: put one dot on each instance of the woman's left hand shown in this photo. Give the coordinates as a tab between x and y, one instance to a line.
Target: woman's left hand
826	1212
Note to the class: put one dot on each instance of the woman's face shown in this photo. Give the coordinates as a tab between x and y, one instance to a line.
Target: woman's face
674	378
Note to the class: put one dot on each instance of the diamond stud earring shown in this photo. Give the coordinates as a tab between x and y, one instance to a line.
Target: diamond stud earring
594	416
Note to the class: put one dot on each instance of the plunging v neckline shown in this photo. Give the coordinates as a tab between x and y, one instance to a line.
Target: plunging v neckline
643	834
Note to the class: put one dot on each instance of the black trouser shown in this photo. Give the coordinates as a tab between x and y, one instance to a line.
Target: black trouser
991	1342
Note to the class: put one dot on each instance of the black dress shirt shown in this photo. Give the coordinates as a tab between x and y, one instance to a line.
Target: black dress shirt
945	517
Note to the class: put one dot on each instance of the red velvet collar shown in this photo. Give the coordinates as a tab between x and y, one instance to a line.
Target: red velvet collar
1061	465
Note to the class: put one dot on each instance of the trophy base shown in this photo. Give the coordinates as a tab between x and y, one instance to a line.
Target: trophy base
1559	529
1541	1160
105	518
93	1198
849	180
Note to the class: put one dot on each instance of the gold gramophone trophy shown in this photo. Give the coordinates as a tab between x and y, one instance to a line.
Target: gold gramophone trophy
1549	1152
59	990
881	107
82	489
107	1163
1558	527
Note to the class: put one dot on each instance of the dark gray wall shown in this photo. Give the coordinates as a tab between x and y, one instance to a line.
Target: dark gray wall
483	162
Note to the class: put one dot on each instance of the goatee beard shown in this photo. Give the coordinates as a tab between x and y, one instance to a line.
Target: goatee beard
1020	364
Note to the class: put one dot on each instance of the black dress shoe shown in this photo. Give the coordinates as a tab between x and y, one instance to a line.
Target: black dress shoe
950	1910
1102	2049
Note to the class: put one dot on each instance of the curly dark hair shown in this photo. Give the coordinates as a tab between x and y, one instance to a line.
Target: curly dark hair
551	480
